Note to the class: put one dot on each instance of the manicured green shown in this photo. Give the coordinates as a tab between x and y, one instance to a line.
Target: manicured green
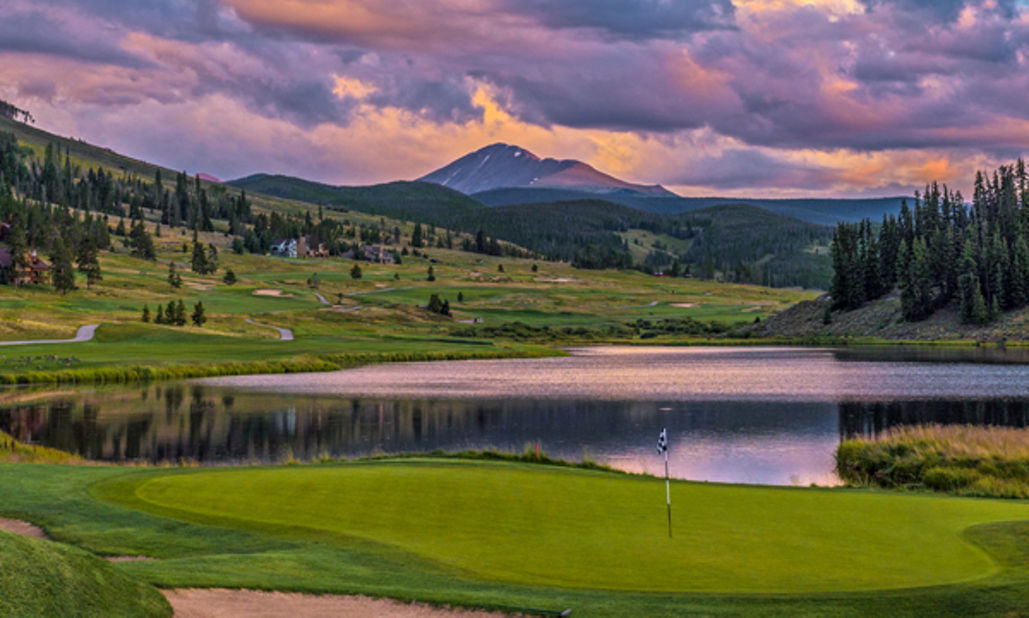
42	578
570	528
426	546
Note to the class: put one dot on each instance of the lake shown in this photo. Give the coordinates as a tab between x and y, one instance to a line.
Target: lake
750	415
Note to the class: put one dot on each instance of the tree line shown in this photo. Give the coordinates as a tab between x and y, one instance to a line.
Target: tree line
942	250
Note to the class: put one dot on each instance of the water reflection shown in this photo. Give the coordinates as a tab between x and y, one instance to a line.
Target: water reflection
735	441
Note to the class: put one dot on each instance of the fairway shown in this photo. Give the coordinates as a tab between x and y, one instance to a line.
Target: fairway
583	529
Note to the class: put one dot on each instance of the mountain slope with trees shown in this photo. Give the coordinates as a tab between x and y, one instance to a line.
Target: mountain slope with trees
943	269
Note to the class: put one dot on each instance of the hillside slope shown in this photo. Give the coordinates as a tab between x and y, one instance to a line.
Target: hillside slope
813	210
401	199
883	319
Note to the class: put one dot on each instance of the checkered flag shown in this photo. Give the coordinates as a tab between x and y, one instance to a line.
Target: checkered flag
662	442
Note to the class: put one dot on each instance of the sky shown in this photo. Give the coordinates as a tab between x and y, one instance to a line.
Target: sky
761	98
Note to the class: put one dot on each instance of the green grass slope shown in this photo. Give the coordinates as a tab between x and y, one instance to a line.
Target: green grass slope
41	578
564	527
378	528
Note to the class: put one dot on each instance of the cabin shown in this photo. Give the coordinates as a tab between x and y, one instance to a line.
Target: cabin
308	246
37	272
377	253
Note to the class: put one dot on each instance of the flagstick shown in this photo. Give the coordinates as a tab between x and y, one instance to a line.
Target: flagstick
668	495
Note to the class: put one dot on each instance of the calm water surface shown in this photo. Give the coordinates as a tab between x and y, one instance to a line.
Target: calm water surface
755	415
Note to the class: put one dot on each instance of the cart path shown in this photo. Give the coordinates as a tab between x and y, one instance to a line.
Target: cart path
285	334
321	299
85	333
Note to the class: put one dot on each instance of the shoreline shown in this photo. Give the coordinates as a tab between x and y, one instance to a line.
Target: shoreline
333	362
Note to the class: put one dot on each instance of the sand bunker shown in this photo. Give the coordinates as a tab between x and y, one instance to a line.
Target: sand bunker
268	292
23	528
684	305
221	603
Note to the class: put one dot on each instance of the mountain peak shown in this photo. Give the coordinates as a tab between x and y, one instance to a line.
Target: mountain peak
501	165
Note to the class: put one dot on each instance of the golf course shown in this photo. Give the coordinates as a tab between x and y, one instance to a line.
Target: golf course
505	535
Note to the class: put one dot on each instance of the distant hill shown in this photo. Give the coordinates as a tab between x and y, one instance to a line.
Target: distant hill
504	165
756	245
821	211
409	200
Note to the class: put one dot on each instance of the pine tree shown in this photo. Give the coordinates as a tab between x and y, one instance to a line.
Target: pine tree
230	277
431	275
62	274
159	319
355	272
141	242
198	263
169	314
173	276
180	313
212	259
435	304
416	236
89	264
146	313
198	316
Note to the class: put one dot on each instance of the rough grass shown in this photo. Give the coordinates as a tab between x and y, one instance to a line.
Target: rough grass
963	460
42	578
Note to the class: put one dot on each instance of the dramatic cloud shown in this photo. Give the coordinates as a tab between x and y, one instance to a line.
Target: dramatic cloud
758	97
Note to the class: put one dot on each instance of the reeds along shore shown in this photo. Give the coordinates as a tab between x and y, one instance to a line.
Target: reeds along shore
957	459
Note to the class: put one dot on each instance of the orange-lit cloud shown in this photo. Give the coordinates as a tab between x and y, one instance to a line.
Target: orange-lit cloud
738	97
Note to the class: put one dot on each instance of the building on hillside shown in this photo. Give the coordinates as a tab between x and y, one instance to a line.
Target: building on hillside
36	272
284	247
377	253
308	246
303	247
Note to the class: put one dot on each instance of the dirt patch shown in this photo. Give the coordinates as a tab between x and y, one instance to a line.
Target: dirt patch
269	292
684	305
23	528
221	603
556	280
129	559
203	287
754	308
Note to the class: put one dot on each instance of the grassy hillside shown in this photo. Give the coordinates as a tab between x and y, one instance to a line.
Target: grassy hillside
813	210
41	578
592	230
883	319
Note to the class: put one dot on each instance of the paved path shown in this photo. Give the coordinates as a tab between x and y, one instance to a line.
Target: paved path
348	309
285	334
321	299
85	334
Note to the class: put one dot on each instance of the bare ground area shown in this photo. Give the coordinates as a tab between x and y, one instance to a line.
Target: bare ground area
222	603
23	528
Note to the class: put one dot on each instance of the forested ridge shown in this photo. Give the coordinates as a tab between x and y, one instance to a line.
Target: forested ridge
942	250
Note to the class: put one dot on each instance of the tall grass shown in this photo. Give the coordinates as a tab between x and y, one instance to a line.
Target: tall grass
959	459
13	451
